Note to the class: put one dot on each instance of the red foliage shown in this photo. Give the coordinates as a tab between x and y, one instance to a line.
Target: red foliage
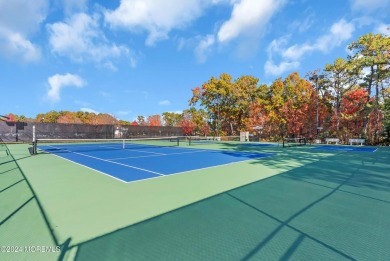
154	120
205	128
187	125
11	118
134	123
354	101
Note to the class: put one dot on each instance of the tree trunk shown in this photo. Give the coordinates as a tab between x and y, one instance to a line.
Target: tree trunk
367	108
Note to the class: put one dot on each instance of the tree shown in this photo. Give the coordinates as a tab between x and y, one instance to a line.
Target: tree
205	129
141	121
187	124
51	116
171	118
226	101
123	122
69	117
340	77
352	112
386	120
11	117
372	53
154	120
198	117
105	118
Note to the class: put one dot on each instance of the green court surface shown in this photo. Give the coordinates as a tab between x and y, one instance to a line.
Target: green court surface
301	204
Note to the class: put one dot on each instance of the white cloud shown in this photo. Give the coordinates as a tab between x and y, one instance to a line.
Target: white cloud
110	66
304	25
156	17
369	6
203	48
81	39
58	81
273	69
23	16
164	103
89	110
248	17
15	45
383	29
338	33
18	20
73	6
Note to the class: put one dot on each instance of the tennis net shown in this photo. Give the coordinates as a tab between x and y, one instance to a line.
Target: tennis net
199	140
47	145
292	142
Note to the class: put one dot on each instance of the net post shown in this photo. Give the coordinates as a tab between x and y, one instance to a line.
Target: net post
178	141
34	142
123	144
33	134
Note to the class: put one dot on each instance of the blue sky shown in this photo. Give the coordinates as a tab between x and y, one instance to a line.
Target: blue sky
143	57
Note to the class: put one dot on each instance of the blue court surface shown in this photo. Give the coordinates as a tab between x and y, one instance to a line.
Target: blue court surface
346	148
140	162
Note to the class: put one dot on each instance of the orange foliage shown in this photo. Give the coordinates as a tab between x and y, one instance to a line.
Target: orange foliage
154	120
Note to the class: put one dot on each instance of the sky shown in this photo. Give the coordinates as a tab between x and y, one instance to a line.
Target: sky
143	57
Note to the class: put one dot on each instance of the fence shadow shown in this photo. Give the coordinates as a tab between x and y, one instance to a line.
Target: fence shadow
18	194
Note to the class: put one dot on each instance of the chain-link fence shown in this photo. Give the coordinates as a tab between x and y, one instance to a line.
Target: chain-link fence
23	131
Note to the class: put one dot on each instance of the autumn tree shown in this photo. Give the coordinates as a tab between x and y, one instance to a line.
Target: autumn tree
171	118
51	116
199	117
154	120
69	117
386	120
352	112
141	121
105	118
227	102
187	124
372	54
340	77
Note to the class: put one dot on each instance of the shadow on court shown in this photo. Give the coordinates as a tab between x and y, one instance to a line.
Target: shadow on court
335	208
23	222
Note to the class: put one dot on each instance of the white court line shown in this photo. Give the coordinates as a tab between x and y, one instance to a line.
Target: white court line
178	173
133	167
160	175
135	150
86	166
149	156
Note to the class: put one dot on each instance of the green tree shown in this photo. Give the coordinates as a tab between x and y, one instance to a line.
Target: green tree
51	116
340	77
171	118
141	121
227	102
372	54
198	117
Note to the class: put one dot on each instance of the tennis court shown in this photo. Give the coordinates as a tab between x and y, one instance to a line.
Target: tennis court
346	148
138	160
246	203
